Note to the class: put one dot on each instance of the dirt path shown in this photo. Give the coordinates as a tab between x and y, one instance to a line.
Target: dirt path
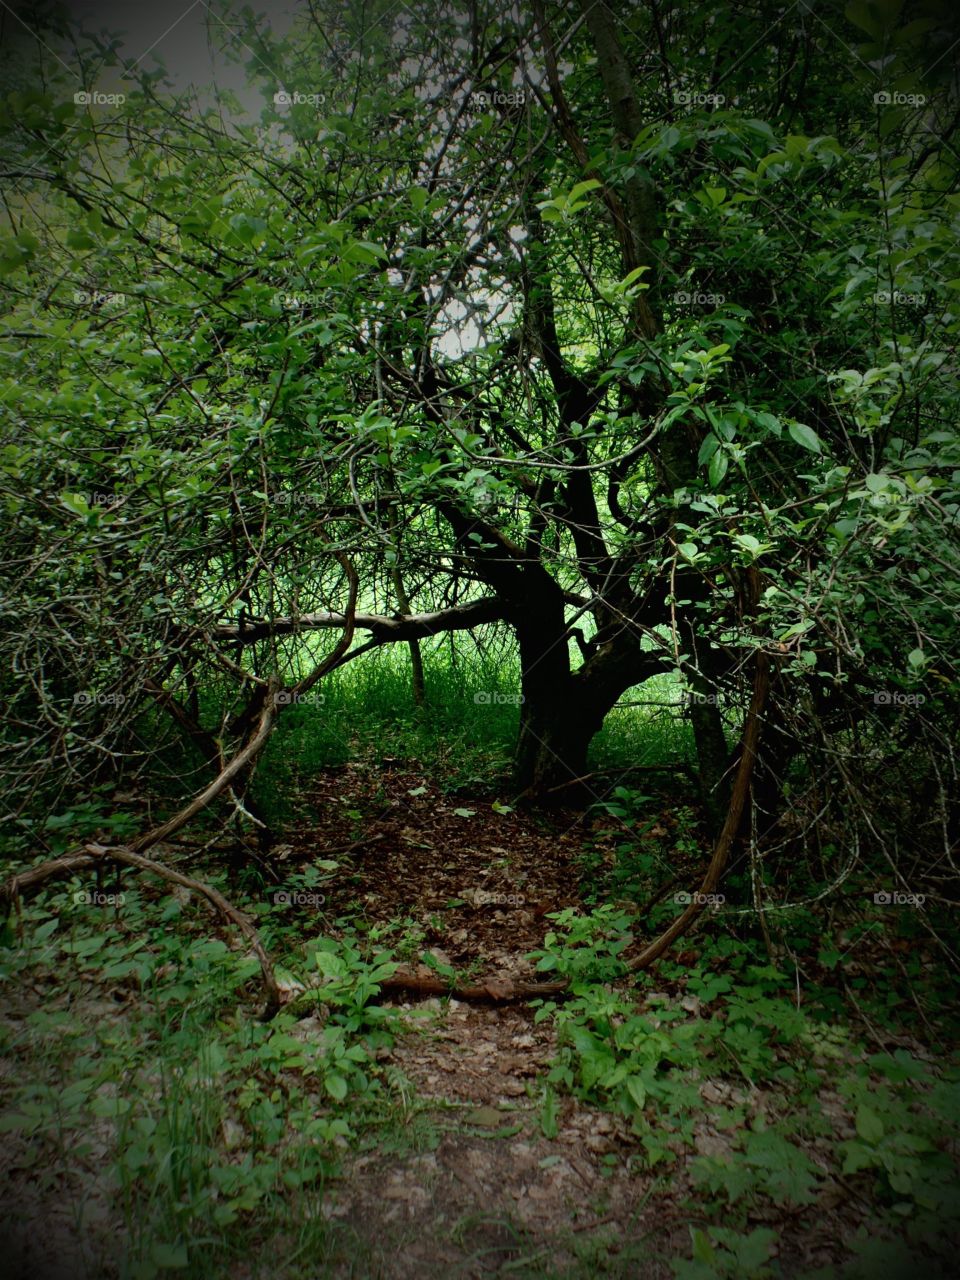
491	1194
494	1193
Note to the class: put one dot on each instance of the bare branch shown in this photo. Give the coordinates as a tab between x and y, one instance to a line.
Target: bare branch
385	630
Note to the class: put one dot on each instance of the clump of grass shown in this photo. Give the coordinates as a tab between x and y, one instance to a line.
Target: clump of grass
462	736
653	732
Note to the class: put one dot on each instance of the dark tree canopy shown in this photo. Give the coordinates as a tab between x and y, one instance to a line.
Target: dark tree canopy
633	340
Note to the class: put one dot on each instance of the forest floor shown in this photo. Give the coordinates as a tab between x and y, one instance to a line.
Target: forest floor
484	1179
493	1195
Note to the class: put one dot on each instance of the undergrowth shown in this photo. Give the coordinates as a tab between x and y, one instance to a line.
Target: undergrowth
746	1070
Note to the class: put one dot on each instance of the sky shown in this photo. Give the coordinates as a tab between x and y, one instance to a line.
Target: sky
185	37
182	34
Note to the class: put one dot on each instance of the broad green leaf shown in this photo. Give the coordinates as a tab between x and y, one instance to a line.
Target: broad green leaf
637	1091
719	464
581	189
804	436
869	1125
336	1085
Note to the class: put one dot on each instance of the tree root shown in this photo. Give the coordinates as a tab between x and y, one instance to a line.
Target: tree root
489	991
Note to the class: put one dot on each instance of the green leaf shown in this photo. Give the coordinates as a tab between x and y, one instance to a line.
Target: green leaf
788	1174
330	966
78	238
804	436
336	1086
76	503
858	12
637	1091
718	467
753	1251
708	448
247	229
632	277
703	1250
769	423
869	1125
581	189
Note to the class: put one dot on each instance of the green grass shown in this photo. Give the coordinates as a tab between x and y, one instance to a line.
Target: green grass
463	737
646	734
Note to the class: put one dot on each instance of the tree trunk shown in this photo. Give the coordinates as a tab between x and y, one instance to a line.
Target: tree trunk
563	711
551	749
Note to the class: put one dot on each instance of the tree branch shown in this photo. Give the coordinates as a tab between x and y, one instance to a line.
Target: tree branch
384	630
738	799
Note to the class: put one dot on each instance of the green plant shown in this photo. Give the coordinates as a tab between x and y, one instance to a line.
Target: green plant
720	1253
904	1128
587	947
765	1164
350	984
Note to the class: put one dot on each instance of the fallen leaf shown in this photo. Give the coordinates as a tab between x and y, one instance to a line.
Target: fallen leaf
486	1117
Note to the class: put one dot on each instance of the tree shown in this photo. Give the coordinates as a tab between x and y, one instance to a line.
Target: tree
581	328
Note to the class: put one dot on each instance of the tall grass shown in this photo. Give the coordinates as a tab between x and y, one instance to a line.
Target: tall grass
464	736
